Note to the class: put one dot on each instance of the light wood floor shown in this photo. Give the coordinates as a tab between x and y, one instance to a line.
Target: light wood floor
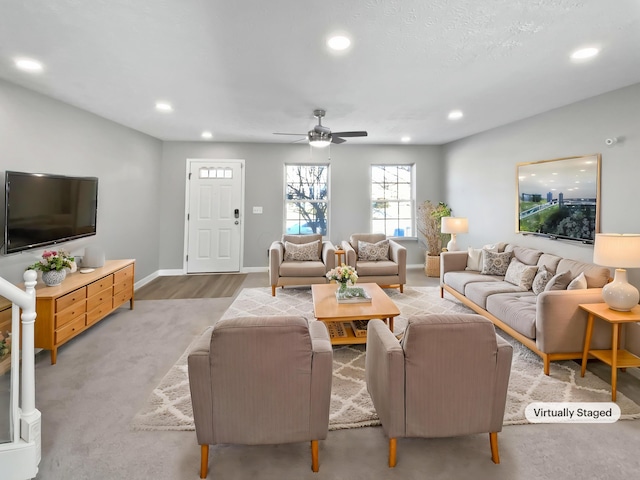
191	286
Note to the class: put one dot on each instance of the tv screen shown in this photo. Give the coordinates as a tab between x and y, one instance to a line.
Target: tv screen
42	209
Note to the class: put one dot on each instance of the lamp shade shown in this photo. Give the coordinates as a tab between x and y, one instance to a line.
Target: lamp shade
454	225
617	250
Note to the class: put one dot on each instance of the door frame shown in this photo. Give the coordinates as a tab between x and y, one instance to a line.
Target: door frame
189	162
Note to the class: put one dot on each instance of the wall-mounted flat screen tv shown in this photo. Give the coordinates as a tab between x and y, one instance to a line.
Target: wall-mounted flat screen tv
43	209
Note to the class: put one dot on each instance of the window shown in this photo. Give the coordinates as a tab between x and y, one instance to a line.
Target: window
306	199
392	200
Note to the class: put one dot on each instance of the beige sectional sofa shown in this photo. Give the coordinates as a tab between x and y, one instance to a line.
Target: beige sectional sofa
550	323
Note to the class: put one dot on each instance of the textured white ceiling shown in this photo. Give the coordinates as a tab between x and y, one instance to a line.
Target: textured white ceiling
244	69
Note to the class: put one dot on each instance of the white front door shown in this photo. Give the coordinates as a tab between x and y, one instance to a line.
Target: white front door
214	233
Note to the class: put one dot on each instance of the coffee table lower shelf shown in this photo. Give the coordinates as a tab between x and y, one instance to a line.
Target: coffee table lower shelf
349	337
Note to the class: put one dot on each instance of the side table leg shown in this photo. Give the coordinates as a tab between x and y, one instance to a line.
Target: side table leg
587	344
391	324
614	360
54	355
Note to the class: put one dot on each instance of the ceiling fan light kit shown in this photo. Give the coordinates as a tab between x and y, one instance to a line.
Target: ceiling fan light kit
321	136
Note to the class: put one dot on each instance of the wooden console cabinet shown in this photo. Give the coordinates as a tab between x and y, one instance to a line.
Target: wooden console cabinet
82	300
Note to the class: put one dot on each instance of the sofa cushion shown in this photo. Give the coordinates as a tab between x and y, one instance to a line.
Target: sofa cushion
459	280
373	251
528	256
303	252
520	274
597	276
377	268
478	292
518	310
302	269
550	262
559	281
541	279
495	263
300	239
578	283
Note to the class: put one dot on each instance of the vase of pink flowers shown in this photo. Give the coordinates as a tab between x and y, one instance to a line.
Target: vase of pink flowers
53	265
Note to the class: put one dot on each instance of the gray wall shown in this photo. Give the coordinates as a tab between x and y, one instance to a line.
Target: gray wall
39	134
264	176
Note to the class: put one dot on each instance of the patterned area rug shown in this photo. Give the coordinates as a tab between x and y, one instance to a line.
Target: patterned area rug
169	405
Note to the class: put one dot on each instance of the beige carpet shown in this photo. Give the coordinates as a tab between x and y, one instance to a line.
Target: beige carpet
169	405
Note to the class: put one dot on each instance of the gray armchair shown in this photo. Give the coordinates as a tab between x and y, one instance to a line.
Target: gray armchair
389	272
447	377
285	271
261	381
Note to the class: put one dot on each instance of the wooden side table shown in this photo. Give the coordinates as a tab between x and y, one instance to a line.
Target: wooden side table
340	253
615	357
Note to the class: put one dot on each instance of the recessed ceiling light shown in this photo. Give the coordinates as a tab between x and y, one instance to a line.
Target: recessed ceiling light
338	42
585	53
164	107
405	139
28	65
207	135
455	115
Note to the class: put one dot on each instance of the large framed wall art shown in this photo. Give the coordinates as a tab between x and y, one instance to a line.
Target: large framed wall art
559	198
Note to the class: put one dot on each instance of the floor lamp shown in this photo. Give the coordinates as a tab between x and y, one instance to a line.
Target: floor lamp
454	225
619	251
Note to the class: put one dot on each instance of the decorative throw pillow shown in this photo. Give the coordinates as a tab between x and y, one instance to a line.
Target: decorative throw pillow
520	274
541	279
495	263
303	252
474	257
373	251
578	283
559	281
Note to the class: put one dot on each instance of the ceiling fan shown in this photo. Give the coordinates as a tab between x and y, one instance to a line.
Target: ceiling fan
321	136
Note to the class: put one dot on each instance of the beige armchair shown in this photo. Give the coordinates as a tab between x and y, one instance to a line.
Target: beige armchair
261	381
387	272
447	377
298	268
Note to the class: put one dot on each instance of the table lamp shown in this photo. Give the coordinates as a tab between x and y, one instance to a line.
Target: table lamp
619	251
454	225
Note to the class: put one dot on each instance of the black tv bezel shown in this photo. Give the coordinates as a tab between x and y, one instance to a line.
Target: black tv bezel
22	248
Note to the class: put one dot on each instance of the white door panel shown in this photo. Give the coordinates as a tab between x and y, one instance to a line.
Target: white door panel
214	227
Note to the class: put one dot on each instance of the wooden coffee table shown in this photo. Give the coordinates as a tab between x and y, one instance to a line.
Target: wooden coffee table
327	309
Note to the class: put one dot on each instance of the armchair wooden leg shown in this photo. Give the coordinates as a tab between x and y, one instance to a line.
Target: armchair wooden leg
314	455
204	460
401	288
273	290
493	440
393	447
441	292
547	363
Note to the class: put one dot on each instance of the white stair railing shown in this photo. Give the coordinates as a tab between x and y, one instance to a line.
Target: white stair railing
19	459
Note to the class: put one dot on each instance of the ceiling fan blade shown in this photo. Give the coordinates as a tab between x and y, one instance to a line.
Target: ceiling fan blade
296	134
350	134
337	140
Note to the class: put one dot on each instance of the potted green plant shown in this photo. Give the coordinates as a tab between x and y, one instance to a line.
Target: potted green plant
428	220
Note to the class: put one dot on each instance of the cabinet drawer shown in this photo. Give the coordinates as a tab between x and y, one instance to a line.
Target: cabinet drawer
125	274
70	329
99	311
99	285
125	285
120	298
95	300
70	314
69	299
